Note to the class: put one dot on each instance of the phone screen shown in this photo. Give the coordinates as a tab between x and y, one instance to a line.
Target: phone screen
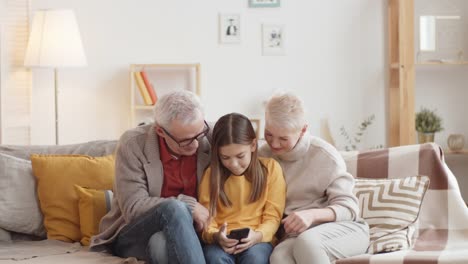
239	233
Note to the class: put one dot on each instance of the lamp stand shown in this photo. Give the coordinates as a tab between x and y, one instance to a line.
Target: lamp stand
56	107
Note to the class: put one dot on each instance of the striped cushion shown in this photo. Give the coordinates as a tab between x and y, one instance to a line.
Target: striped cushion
390	207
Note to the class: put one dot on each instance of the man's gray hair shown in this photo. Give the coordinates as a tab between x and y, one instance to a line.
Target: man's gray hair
285	110
181	105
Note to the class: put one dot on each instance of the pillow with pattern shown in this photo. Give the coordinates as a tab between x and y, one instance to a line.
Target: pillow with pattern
391	208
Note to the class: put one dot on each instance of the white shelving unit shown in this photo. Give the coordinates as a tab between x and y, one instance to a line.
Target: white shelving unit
164	78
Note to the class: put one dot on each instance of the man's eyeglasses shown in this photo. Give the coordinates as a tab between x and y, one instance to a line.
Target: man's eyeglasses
186	142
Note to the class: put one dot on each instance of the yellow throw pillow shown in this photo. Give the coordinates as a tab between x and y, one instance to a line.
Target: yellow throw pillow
93	205
56	176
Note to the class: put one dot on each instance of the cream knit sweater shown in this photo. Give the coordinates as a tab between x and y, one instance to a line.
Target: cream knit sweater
316	177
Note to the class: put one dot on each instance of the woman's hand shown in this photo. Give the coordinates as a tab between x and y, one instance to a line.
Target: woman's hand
300	221
227	244
253	238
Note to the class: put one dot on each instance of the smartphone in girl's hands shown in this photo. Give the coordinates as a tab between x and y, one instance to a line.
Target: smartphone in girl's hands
239	233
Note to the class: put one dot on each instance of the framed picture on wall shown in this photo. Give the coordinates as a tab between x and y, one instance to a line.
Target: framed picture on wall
264	3
229	28
273	40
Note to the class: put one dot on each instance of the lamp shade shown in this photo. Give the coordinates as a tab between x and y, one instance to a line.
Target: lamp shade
55	40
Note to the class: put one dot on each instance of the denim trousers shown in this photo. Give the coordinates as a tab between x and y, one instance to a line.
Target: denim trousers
171	220
258	254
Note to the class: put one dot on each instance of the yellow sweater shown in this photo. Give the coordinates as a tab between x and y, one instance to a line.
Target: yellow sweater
263	215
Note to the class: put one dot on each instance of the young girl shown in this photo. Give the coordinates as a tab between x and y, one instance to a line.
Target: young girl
240	190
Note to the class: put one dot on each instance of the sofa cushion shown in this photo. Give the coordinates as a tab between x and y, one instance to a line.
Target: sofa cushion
56	252
56	176
390	207
92	205
5	236
18	199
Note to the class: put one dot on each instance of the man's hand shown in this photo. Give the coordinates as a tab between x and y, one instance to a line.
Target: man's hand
200	216
227	244
253	238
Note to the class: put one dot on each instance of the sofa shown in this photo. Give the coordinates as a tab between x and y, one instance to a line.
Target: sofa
35	247
436	231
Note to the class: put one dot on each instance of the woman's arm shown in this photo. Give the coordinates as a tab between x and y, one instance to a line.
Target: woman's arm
298	222
342	203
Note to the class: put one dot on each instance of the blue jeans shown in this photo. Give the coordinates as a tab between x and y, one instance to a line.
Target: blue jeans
258	254
174	219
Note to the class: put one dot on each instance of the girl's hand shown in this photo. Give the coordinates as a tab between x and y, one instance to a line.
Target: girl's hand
253	238
298	222
227	244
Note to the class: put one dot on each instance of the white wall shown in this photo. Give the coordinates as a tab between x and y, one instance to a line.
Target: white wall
335	59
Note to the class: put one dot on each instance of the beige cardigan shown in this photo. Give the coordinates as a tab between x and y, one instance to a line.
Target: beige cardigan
138	182
316	177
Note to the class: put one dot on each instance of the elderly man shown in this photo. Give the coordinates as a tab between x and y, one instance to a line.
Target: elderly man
155	214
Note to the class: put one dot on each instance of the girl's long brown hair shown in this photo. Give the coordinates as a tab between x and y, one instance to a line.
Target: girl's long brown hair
234	129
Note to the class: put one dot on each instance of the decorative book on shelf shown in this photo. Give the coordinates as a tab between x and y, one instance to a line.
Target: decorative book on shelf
142	88
149	87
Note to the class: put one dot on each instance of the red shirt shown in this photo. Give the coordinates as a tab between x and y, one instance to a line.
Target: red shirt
180	173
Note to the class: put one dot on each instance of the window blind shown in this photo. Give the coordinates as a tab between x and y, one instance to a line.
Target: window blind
15	79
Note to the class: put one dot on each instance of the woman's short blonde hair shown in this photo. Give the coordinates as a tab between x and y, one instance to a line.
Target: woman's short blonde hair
285	110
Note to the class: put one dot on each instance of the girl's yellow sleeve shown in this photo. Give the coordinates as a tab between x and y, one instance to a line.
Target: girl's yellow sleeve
275	201
204	199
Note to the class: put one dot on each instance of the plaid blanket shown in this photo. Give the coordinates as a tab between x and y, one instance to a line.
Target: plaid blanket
442	227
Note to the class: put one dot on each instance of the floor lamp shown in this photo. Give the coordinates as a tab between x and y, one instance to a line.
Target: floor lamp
55	42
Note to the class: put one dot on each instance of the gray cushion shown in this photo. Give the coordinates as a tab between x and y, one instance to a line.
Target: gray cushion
19	206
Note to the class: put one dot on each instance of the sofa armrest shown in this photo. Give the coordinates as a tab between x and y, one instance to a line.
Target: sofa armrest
443	205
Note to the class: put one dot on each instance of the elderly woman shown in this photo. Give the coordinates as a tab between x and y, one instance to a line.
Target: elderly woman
321	222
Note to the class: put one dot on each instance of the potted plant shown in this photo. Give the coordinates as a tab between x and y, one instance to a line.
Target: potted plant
427	124
353	141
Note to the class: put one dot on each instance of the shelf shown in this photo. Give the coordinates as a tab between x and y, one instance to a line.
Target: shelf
462	152
401	58
443	63
167	65
163	78
144	107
